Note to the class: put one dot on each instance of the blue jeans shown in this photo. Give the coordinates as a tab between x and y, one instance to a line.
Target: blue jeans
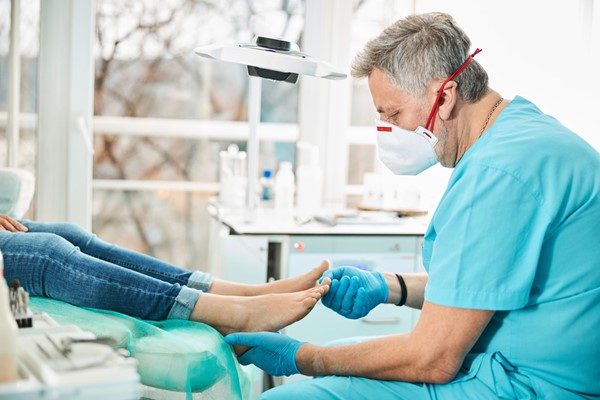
65	262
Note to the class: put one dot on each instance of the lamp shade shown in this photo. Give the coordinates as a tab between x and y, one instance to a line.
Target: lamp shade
272	59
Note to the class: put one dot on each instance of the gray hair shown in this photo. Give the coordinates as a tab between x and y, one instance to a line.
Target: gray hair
418	49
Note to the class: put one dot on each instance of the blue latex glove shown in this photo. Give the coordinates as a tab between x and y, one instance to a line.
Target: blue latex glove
272	352
353	292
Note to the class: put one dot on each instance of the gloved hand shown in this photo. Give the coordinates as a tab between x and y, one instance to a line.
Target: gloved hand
272	352
353	292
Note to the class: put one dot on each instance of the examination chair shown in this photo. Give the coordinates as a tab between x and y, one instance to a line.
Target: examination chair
176	359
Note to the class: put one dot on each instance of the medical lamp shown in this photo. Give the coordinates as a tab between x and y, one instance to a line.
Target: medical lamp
267	58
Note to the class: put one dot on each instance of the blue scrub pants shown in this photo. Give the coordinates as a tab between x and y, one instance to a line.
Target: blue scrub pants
65	262
344	388
487	376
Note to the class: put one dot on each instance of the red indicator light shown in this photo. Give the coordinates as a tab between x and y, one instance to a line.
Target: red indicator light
299	246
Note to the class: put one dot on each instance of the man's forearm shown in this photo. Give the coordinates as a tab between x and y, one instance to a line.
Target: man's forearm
388	358
415	288
433	352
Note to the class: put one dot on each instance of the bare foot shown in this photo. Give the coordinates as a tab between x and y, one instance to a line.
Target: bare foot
270	312
288	285
295	283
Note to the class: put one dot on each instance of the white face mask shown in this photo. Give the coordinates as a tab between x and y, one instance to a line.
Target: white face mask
405	152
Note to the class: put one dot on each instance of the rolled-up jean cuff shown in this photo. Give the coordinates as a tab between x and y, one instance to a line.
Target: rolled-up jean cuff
200	280
184	303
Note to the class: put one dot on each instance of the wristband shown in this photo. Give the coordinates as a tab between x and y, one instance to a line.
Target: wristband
403	290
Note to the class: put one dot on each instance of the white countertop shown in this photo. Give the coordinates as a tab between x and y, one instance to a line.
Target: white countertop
348	222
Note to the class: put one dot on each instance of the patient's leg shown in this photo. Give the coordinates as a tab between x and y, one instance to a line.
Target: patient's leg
288	285
91	245
270	312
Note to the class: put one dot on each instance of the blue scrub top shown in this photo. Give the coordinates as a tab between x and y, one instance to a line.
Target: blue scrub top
518	231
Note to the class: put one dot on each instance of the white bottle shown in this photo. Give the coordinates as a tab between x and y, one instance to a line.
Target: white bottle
232	177
309	180
285	187
8	333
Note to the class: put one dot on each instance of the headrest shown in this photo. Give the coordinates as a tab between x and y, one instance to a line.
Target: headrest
16	191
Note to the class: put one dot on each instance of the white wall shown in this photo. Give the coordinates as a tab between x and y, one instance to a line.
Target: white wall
547	51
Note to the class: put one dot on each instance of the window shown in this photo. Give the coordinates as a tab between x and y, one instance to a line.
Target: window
162	114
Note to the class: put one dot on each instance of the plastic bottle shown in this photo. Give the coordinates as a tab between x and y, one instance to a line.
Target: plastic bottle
232	177
285	187
8	333
266	189
309	179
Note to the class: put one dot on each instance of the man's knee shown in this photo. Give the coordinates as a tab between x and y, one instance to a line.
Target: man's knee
288	391
305	389
278	393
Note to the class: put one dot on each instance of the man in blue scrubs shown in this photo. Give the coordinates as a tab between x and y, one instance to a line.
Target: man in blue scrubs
510	302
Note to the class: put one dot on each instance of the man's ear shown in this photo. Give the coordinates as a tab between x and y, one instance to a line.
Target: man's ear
448	100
